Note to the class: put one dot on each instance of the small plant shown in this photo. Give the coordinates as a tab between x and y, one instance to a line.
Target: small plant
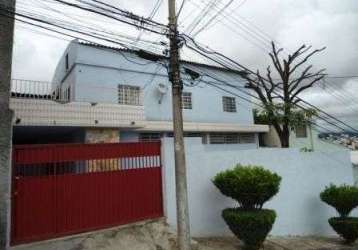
251	187
344	199
347	228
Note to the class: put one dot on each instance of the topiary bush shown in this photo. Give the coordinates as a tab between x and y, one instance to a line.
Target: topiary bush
346	227
251	187
251	227
343	198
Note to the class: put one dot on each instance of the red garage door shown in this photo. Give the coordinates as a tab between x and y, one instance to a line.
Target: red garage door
65	189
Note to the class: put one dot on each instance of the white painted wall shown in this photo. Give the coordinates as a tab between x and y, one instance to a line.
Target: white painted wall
299	209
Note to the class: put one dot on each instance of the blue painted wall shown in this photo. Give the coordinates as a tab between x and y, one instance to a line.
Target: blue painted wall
98	72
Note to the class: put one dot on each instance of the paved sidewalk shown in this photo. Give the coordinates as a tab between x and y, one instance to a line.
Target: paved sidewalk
277	243
155	235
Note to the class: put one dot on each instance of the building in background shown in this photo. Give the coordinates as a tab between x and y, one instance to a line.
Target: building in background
303	137
105	94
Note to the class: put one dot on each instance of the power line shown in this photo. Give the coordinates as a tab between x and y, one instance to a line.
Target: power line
130	16
248	70
213	18
180	9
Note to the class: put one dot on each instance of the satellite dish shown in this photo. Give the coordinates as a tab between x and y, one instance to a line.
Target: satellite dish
162	89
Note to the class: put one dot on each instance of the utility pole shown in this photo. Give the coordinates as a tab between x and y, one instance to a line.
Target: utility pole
180	167
6	43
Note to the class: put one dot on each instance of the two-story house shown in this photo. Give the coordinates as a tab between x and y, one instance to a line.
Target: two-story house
105	94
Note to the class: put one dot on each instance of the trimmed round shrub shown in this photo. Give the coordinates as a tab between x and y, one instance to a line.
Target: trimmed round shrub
343	198
250	186
346	227
252	227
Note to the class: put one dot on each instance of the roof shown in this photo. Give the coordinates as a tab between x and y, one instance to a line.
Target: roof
132	51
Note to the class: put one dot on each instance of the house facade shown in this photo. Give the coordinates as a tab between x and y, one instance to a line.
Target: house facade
104	94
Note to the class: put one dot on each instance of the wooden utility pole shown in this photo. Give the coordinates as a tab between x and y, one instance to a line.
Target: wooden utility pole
6	43
180	167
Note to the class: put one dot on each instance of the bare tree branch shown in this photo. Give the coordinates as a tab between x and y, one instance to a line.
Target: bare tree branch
306	58
279	97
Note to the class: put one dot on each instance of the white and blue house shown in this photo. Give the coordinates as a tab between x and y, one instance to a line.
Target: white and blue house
106	94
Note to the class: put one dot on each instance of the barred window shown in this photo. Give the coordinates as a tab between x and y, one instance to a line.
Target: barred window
224	138
148	137
247	138
129	95
186	134
229	104
301	131
186	100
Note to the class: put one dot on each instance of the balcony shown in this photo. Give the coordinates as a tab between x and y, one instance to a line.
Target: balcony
36	103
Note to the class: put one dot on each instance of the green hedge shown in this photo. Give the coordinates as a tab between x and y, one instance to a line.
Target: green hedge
346	227
251	227
343	198
250	186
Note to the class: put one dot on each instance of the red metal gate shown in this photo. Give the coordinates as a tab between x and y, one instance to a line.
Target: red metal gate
65	189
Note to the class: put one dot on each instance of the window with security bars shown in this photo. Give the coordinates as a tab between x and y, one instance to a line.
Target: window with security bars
224	138
229	104
186	100
129	95
148	137
247	138
301	131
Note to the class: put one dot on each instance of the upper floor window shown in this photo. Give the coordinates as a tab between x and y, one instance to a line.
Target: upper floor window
67	65
186	100
301	131
229	104
129	95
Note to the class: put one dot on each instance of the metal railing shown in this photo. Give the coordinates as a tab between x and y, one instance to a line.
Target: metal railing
43	90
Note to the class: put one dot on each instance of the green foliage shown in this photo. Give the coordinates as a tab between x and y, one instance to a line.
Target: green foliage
346	227
276	112
250	186
343	198
252	227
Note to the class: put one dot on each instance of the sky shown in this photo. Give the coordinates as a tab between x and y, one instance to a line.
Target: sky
242	31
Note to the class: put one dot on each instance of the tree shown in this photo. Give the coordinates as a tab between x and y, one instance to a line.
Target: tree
279	97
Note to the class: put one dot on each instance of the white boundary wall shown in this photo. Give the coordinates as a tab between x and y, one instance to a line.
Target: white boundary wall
299	209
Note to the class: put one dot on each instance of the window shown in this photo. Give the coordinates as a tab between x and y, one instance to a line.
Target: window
231	138
247	138
148	137
186	100
224	138
68	94
66	62
301	131
128	95
229	104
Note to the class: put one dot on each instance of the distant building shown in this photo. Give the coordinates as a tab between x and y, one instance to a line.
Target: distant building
302	137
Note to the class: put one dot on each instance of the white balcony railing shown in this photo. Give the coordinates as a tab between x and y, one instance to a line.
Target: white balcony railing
35	103
30	89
